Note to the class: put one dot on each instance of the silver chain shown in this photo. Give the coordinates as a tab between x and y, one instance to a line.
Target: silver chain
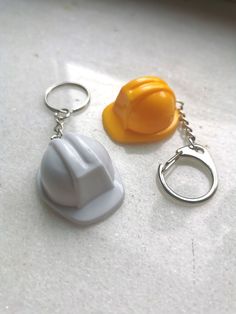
185	125
60	117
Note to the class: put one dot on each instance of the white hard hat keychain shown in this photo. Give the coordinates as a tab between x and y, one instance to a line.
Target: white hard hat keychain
76	177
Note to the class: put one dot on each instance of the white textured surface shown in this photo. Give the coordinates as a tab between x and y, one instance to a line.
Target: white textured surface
154	255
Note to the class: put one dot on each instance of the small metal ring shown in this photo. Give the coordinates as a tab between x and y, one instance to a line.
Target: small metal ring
200	153
53	87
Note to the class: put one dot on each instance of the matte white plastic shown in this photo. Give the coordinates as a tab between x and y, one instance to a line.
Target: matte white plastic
77	179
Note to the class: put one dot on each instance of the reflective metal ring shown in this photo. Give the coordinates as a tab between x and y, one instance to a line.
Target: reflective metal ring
200	153
53	87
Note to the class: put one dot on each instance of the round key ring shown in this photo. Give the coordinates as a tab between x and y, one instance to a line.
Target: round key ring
56	86
62	114
197	152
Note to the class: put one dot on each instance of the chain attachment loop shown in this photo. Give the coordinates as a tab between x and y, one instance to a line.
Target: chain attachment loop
60	117
185	125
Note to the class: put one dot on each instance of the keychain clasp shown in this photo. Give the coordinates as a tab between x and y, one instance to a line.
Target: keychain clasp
194	151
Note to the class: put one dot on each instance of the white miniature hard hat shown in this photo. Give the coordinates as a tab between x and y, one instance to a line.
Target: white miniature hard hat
77	179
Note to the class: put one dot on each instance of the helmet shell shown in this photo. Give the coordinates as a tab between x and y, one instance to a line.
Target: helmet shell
144	110
75	171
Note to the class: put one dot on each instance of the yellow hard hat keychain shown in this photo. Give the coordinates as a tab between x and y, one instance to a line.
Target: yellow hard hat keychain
145	111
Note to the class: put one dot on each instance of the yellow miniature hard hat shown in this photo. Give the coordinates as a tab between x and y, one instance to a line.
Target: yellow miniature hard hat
144	111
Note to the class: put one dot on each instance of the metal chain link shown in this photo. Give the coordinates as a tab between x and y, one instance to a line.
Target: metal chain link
60	117
185	125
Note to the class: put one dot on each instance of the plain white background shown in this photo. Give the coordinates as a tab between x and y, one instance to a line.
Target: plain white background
154	255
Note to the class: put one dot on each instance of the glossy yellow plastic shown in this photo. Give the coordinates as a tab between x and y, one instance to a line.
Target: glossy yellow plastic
144	111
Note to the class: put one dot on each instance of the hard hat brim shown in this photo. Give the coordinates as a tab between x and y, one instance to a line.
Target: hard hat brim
115	130
95	211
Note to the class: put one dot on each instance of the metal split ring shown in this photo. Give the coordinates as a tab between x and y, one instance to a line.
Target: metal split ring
53	87
198	152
